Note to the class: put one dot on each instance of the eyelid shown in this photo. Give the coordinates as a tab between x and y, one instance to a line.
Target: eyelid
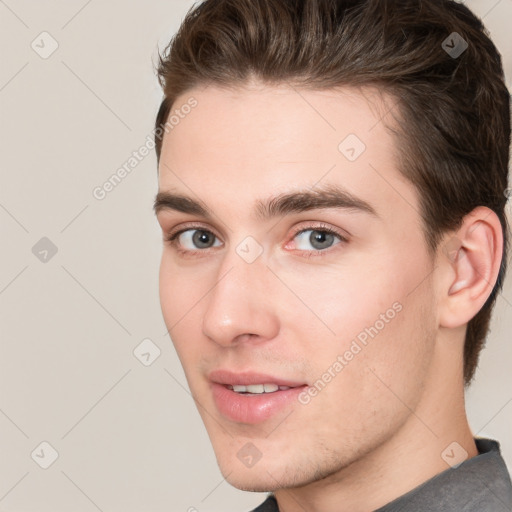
175	232
320	226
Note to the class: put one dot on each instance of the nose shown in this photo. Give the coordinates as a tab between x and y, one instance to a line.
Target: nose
240	305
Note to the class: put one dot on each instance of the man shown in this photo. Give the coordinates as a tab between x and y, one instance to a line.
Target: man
332	185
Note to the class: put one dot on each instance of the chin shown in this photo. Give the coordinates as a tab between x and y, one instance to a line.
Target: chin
252	484
262	477
268	477
258	481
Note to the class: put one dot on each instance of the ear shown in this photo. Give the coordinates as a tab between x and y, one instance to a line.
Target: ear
469	262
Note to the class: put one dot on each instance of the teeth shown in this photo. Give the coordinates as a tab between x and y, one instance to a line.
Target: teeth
258	389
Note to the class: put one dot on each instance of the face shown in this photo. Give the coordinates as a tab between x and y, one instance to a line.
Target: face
295	280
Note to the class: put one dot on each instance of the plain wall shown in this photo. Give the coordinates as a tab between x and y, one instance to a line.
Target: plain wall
128	436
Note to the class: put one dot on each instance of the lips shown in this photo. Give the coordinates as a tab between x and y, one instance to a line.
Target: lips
250	397
227	377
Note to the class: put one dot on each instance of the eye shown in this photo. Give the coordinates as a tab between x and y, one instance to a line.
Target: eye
193	239
318	239
314	240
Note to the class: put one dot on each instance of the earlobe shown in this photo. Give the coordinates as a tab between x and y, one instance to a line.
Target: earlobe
470	264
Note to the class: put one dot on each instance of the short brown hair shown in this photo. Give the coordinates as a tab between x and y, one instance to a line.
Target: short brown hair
454	139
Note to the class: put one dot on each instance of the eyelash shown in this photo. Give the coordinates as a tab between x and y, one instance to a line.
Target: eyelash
171	239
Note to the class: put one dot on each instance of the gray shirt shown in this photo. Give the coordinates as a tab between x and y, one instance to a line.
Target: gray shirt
480	484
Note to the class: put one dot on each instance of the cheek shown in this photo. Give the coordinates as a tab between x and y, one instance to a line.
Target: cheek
180	289
371	394
179	296
339	302
385	364
382	317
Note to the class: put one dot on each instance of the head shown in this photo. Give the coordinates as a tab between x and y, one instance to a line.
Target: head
334	185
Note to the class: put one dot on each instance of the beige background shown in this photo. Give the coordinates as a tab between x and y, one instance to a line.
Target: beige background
128	436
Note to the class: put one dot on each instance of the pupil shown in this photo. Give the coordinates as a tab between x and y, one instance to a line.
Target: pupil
202	239
321	239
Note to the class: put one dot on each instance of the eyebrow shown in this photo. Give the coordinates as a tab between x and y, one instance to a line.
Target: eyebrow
330	196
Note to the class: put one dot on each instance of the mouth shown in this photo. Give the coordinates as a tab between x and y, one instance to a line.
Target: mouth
251	398
256	389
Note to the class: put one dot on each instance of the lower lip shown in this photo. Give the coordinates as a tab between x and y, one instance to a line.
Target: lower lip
255	408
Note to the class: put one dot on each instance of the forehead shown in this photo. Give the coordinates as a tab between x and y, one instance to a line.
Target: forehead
242	144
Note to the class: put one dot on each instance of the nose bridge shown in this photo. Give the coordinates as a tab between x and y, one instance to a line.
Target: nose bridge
240	303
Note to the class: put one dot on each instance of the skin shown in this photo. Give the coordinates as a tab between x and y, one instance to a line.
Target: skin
379	427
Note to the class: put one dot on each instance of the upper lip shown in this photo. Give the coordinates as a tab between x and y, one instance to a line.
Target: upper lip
227	377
